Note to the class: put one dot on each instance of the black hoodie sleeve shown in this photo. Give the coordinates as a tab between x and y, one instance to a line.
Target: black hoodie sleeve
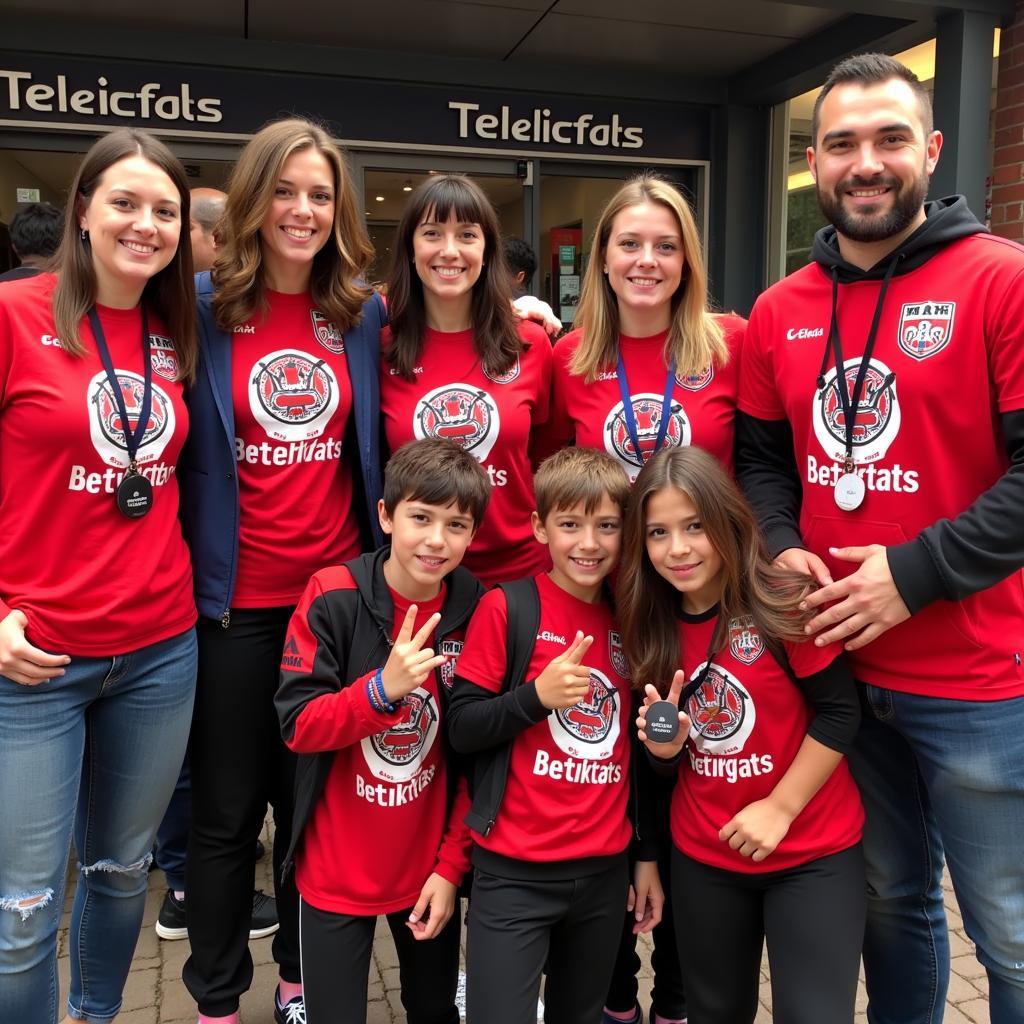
832	694
479	719
953	559
766	470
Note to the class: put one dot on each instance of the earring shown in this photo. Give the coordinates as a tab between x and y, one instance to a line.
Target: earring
85	235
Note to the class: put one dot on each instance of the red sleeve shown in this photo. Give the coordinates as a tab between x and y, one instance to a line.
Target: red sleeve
483	655
758	395
1004	335
806	658
457	842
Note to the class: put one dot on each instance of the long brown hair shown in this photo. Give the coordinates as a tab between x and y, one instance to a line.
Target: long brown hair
335	282
495	335
751	585
694	335
170	293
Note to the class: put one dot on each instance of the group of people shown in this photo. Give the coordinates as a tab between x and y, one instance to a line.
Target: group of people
552	657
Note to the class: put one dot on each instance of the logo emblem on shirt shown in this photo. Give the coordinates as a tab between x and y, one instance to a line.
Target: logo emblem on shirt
647	412
292	395
326	333
926	327
397	752
696	381
507	377
745	642
163	356
590	727
876	419
460	413
451	649
106	429
616	654
721	712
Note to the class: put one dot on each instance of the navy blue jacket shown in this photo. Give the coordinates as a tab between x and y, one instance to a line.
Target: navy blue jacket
208	475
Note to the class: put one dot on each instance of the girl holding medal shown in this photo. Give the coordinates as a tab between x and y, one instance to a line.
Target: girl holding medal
97	638
765	819
281	470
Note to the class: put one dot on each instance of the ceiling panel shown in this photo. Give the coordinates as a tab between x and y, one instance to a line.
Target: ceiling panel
436	27
185	15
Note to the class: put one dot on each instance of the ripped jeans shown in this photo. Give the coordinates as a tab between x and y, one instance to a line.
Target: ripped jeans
94	754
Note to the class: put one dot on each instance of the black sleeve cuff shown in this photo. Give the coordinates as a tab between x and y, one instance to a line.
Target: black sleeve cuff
529	703
915	574
780	538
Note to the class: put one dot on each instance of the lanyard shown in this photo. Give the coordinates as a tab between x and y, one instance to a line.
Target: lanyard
851	402
692	687
630	417
132	438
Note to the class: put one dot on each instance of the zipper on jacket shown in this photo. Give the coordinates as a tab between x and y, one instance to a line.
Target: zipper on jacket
501	792
225	619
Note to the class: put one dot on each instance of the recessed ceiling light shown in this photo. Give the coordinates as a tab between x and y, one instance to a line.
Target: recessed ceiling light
380	199
407	187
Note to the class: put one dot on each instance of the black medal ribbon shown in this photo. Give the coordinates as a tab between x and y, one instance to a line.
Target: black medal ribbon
134	492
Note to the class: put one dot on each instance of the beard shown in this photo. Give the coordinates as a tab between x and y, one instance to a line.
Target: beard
866	226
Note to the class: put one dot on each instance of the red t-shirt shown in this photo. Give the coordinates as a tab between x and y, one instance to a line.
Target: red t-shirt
568	779
748	720
292	397
90	581
380	827
492	418
703	405
948	359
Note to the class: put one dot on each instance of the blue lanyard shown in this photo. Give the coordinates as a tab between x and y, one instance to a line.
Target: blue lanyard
629	416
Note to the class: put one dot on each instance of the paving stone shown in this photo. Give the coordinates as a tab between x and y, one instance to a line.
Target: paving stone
176	1001
960	989
140	989
146	1015
976	1010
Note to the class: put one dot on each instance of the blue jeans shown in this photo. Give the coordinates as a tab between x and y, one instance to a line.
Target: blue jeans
941	776
94	754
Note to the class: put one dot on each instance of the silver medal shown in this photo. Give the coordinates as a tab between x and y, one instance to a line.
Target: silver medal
849	491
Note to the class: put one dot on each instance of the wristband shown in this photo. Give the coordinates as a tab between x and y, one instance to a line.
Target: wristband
382	697
371	696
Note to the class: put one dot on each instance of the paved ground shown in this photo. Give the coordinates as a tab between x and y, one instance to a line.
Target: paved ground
156	995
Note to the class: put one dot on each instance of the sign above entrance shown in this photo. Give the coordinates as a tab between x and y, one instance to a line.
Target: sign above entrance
58	92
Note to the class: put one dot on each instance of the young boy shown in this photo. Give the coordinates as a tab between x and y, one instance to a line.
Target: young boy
367	666
552	776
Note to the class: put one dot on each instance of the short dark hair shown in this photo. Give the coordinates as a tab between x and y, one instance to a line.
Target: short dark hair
519	256
573	475
436	472
872	69
36	230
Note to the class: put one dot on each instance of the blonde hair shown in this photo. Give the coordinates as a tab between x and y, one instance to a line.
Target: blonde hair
336	279
575	475
694	336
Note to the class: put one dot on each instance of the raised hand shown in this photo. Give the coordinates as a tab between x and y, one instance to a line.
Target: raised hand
410	663
565	682
664	751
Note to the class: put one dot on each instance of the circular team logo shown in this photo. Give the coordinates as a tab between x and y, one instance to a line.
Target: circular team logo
460	413
106	429
163	357
590	727
696	381
647	413
507	377
397	753
721	712
876	418
292	395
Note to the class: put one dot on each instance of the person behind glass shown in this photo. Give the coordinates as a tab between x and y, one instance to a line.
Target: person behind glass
766	819
458	365
645	331
281	468
97	638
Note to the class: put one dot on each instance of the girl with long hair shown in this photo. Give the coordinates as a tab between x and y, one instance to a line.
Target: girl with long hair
459	365
97	638
280	478
765	817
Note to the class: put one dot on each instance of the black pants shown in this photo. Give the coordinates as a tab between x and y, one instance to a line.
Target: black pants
812	917
238	763
336	952
516	926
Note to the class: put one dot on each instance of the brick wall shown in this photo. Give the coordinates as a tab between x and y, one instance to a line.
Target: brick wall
1008	157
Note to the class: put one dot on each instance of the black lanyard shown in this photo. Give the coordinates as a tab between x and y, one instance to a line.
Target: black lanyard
132	438
692	687
630	417
851	402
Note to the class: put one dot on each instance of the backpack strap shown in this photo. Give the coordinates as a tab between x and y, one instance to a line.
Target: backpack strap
523	604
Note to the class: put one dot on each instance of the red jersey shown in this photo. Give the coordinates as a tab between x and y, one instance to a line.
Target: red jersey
948	350
568	778
703	405
381	825
292	397
90	581
493	418
748	720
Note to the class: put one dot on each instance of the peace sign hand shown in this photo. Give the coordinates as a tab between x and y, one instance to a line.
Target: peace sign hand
410	663
664	751
565	682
